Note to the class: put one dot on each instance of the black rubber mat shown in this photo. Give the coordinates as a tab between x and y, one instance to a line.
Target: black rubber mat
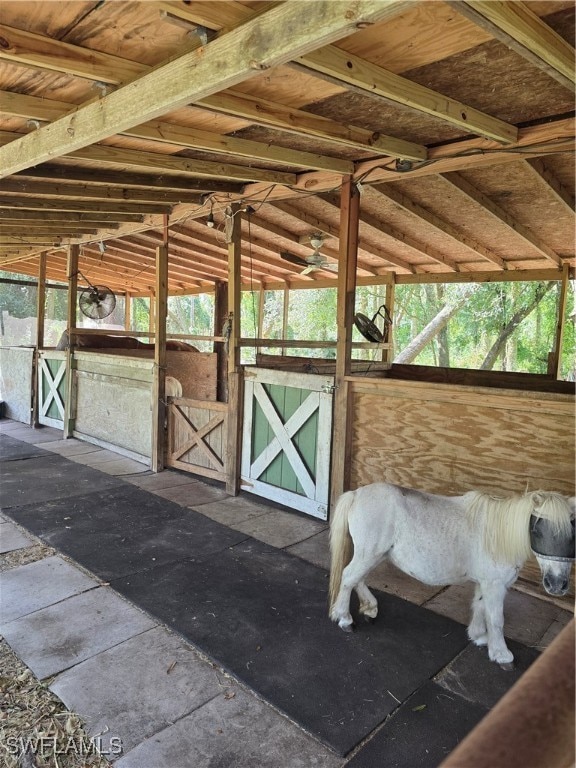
473	676
261	614
12	449
422	732
46	477
123	530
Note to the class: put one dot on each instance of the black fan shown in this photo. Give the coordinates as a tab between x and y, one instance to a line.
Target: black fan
96	301
369	329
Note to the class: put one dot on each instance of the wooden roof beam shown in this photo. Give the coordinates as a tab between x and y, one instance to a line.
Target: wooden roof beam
334	231
34	187
519	28
372	223
344	68
301	123
237	56
96	207
109	220
389	192
561	193
161	182
457	181
31	107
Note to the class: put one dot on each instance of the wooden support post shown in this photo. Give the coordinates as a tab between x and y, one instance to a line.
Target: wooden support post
69	405
220	313
127	312
152	314
349	218
555	357
234	437
285	307
40	316
388	354
159	379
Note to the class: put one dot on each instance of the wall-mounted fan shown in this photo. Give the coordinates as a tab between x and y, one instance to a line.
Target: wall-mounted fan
315	260
96	301
369	329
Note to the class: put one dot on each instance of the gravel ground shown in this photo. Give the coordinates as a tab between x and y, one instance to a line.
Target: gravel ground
36	729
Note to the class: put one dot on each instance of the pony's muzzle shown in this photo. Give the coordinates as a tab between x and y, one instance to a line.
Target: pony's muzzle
555	585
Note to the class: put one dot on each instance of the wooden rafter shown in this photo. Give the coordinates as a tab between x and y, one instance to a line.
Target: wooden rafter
401	200
369	222
457	181
344	67
518	27
538	168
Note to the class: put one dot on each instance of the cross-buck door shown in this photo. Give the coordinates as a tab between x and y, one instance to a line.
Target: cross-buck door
286	438
51	388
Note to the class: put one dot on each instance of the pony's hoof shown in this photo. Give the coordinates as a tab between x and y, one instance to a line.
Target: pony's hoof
347	628
508	666
369	619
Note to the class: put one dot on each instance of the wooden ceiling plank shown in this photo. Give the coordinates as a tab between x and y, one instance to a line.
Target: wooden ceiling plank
344	67
405	203
38	51
35	188
228	60
197	168
42	203
109	220
213	142
223	15
519	28
40	231
563	195
457	181
76	174
299	122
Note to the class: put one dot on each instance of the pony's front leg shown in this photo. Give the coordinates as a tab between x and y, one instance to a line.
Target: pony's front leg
493	594
477	628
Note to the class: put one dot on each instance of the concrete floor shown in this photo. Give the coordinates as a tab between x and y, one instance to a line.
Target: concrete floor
136	683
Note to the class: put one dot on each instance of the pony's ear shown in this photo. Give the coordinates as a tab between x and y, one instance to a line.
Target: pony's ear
538	499
572	505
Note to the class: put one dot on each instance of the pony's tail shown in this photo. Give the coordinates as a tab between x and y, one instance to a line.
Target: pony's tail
341	546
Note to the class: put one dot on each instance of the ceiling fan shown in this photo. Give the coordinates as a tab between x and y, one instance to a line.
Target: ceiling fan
315	260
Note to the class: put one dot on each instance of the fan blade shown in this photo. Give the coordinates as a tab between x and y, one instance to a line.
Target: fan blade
293	259
311	268
328	266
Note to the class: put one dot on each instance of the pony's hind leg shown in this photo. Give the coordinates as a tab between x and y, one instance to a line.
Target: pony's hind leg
353	578
368	603
477	631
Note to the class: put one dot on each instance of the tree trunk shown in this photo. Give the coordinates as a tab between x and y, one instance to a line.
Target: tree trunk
433	328
520	315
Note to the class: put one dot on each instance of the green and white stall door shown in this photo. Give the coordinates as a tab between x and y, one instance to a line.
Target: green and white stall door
51	388
286	438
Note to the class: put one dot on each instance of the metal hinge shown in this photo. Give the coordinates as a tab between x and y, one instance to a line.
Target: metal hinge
328	389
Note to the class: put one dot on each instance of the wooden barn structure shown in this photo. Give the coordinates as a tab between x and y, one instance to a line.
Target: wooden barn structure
423	141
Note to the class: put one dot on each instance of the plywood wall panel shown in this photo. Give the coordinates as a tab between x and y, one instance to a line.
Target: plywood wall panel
494	442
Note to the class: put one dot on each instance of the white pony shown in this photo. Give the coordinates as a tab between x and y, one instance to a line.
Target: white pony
445	540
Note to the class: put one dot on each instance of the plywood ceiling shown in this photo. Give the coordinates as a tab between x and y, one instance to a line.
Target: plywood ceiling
456	119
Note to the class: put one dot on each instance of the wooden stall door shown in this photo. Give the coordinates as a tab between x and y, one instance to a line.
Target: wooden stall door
51	388
197	437
286	438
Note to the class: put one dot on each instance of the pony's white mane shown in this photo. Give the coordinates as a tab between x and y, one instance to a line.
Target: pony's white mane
505	521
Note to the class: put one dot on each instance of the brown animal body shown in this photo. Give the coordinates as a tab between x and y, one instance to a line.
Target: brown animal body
105	341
